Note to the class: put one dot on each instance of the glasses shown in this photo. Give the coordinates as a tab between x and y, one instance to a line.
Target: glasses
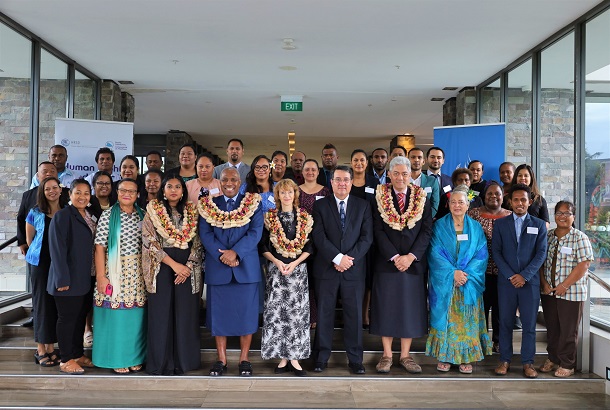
103	183
123	191
340	180
261	168
568	214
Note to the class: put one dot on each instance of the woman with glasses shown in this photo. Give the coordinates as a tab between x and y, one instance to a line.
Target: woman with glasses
205	184
259	181
564	289
120	297
102	185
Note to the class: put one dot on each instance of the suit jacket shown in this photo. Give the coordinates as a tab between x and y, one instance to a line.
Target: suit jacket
391	242
524	258
243	170
243	240
71	248
322	179
433	193
330	241
443	203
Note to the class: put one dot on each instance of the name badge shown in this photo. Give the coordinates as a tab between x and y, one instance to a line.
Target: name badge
428	190
446	188
369	190
140	225
532	230
271	199
214	191
476	193
318	197
462	237
93	218
566	250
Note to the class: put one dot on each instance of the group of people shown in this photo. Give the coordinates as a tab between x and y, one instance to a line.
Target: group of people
409	253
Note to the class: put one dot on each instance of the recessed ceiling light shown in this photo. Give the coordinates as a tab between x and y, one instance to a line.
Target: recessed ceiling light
1	70
394	99
289	44
450	88
437	99
125	82
287	68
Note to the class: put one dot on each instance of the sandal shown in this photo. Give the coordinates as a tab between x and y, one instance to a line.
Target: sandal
71	367
88	339
547	367
218	369
443	367
466	368
84	361
245	368
121	371
136	369
563	372
44	360
54	355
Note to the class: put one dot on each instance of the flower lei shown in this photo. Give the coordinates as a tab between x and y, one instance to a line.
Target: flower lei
178	238
285	247
234	219
390	215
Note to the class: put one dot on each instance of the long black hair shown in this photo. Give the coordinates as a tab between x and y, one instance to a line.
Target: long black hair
183	199
251	185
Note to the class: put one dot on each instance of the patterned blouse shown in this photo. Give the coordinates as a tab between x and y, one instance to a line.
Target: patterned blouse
487	222
307	200
131	233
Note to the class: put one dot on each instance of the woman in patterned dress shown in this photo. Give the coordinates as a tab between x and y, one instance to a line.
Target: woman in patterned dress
285	244
119	309
457	258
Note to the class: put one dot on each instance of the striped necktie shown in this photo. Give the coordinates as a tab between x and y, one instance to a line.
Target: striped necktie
401	202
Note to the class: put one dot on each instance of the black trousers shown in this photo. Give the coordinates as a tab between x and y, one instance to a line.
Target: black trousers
173	323
352	293
562	318
43	304
490	301
72	313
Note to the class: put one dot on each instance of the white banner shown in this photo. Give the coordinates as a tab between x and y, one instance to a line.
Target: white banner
82	139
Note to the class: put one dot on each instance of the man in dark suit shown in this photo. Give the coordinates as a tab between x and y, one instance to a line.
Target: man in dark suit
519	246
342	234
329	163
232	274
436	158
379	161
295	171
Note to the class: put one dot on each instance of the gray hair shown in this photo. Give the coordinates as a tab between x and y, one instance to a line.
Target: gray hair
400	161
461	190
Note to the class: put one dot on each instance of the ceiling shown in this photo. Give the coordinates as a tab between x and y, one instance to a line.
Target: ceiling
366	69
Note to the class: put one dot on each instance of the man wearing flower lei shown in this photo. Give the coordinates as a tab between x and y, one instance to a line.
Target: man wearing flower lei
230	229
403	228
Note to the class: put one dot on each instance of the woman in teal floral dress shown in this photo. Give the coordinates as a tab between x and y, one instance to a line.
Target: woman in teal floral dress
457	259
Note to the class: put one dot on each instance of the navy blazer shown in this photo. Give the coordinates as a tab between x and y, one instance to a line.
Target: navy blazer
71	248
331	241
243	240
524	258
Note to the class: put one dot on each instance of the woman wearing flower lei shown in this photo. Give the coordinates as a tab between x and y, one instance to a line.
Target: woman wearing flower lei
286	245
171	260
403	227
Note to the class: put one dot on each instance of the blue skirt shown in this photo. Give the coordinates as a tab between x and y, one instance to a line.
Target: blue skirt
232	309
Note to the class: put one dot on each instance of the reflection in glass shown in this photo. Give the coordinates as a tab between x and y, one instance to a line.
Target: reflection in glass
490	103
53	99
84	97
597	157
519	115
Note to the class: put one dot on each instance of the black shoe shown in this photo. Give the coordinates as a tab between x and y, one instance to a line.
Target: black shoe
517	325
300	373
28	323
245	368
280	370
356	368
319	367
218	369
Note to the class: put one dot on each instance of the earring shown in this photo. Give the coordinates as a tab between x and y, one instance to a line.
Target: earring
164	197
181	196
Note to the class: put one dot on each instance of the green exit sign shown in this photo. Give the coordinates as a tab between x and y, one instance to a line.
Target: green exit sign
292	106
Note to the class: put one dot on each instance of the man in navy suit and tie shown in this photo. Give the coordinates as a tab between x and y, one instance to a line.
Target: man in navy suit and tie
232	269
342	233
519	248
435	157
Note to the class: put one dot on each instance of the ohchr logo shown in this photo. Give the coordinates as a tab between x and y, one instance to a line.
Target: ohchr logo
65	142
109	144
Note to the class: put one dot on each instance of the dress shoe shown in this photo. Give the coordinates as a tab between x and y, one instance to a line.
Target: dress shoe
356	368
299	372
502	368
28	323
517	325
320	367
280	370
529	371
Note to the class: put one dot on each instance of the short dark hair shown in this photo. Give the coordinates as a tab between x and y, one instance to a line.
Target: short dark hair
342	168
205	155
460	171
329	146
569	204
79	181
235	140
99	174
311	160
520	187
154	171
380	149
278	152
305	155
59	146
507	163
121	181
154	152
359	150
131	157
436	148
105	150
474	161
45	163
402	148
187	145
415	149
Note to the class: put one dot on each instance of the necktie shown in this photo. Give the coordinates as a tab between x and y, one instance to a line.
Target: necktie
230	204
342	214
401	202
518	225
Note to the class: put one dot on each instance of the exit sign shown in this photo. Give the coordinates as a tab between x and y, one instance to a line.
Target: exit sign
292	106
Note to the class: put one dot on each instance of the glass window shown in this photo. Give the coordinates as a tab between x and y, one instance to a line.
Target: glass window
84	97
15	84
490	103
53	100
519	115
557	145
597	157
